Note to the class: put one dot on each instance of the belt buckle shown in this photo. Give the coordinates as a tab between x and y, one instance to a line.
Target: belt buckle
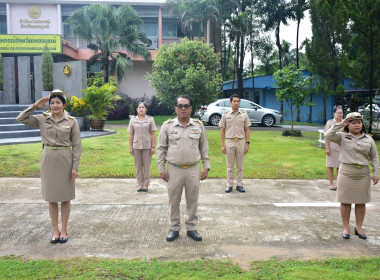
358	166
185	166
236	138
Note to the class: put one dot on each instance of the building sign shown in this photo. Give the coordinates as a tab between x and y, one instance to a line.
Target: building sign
30	43
34	19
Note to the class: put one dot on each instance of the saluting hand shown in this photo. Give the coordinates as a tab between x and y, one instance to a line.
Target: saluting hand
74	175
41	103
375	180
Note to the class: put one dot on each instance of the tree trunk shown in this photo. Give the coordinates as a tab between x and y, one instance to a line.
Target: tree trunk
241	67
371	74
324	110
310	109
298	114
279	56
297	50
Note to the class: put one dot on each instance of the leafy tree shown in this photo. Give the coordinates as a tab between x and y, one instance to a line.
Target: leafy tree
47	69
327	50
299	7
107	30
293	87
189	68
365	45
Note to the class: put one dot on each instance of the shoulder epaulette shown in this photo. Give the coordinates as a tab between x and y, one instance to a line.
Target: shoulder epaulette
198	120
70	117
167	121
243	111
225	112
47	113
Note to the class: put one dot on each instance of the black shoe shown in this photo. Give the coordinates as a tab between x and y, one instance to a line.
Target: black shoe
240	189
194	235
63	239
228	189
172	235
54	240
361	236
346	235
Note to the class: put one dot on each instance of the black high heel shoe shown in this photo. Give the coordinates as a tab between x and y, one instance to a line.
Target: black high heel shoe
346	235
361	236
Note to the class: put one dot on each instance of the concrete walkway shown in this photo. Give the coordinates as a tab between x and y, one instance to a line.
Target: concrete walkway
275	218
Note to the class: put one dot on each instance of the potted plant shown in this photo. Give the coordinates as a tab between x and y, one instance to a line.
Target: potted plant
79	107
47	72
100	101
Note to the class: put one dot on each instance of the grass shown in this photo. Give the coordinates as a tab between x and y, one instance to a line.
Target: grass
157	120
271	156
94	268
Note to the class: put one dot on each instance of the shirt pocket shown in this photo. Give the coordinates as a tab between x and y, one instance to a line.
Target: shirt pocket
48	130
63	134
194	140
174	140
364	148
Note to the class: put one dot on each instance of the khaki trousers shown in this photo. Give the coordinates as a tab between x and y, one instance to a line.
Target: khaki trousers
235	153
178	179
143	159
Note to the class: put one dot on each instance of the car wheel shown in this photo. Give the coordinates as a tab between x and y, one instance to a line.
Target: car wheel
268	120
214	119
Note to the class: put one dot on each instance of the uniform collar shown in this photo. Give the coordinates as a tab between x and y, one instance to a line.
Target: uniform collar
176	122
238	112
63	117
145	117
361	136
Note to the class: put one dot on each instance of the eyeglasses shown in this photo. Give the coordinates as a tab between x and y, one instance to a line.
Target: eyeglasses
181	106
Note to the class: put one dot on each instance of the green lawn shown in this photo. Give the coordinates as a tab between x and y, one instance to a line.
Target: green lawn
94	268
271	156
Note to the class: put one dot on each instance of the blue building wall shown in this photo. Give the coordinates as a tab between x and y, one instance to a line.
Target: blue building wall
269	99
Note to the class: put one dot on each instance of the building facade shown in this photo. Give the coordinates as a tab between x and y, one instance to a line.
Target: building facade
47	17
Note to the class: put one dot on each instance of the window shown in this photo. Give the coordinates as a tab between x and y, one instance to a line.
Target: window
150	26
3	24
247	105
67	29
169	27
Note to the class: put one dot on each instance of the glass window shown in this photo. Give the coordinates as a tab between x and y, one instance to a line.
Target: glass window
247	105
169	27
3	24
150	26
67	29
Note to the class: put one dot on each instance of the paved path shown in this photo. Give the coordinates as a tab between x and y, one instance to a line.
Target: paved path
275	218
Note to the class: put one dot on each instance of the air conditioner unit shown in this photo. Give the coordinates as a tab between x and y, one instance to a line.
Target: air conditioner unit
153	43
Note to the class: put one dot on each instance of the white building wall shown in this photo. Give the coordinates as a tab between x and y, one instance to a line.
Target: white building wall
135	84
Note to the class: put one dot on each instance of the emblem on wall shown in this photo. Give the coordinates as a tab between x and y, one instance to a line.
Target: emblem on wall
34	11
67	70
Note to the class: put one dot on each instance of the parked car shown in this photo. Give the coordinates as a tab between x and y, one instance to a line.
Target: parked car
257	114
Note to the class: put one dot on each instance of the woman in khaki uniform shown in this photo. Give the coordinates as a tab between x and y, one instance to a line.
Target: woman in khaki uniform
332	149
357	149
142	139
59	163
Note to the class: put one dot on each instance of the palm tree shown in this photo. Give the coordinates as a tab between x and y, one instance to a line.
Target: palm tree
110	33
299	8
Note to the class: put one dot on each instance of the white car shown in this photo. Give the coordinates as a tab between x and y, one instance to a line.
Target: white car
257	114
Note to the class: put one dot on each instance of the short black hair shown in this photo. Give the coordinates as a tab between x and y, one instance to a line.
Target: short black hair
234	96
183	96
144	103
60	97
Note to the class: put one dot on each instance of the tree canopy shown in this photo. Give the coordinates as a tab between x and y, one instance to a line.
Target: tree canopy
111	33
189	68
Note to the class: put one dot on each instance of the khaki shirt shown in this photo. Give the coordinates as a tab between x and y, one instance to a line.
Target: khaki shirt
234	124
64	133
142	132
330	123
182	145
358	151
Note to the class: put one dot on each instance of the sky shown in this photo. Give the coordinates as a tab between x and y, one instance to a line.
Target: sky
289	32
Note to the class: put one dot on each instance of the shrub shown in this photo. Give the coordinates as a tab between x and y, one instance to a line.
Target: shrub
1	73
289	132
120	111
47	70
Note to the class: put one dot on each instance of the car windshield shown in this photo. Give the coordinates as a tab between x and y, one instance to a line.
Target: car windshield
247	105
225	103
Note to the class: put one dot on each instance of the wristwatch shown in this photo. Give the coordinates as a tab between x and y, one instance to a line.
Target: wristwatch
248	142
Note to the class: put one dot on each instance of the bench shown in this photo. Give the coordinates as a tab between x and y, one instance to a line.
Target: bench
321	138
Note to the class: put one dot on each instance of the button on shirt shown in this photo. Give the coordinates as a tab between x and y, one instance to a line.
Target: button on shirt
234	124
64	133
357	151
142	129
182	145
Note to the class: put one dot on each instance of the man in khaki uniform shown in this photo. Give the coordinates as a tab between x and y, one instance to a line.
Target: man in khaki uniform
235	142
182	142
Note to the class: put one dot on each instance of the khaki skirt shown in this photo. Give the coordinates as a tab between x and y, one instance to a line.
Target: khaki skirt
56	167
354	184
332	159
